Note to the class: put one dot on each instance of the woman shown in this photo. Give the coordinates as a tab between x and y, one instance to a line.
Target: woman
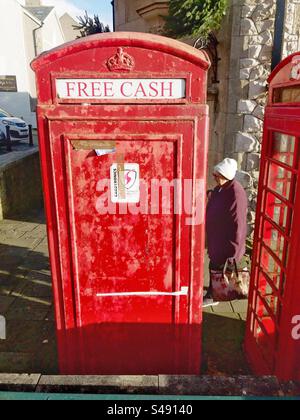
226	221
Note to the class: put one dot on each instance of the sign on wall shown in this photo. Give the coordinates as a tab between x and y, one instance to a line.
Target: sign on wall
8	84
163	89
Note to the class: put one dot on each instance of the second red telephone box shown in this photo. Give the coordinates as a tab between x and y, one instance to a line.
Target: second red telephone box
273	328
123	126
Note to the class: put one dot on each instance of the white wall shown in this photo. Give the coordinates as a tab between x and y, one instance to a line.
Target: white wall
17	51
51	32
13	60
67	23
12	50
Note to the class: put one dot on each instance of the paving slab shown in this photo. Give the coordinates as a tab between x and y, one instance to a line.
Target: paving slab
39	232
223	339
230	315
35	290
5	302
223	307
219	386
99	384
208	310
51	315
240	306
19	383
26	336
21	245
28	310
11	282
14	362
243	316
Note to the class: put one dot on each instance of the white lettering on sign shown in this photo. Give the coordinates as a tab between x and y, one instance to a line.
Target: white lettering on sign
121	89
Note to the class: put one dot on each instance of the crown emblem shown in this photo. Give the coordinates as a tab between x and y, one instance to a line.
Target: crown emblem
121	61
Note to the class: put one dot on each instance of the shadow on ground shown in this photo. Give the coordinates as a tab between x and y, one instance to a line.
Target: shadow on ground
26	299
223	346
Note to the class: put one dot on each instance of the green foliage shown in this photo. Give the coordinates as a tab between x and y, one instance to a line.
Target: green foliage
195	18
90	26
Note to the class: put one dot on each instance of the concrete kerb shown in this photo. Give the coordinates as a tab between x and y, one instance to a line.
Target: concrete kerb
19	383
238	386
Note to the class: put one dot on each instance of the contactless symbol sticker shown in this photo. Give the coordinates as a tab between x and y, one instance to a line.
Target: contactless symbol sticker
125	183
130	178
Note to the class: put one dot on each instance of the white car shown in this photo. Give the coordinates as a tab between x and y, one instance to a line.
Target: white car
19	130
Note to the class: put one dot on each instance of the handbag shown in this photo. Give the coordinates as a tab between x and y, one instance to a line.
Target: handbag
228	286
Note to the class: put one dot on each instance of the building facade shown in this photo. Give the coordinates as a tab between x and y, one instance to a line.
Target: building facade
139	15
252	34
29	28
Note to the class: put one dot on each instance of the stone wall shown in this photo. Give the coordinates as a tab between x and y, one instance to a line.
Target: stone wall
252	44
251	57
291	42
20	184
218	99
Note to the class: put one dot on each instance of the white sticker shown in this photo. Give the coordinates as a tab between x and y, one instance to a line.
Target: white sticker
125	183
104	152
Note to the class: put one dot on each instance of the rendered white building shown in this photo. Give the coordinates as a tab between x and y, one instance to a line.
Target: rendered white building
27	28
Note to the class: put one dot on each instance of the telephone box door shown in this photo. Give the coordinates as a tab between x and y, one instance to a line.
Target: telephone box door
131	274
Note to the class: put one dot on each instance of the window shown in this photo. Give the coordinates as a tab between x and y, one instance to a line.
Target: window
287	95
273	239
277	211
280	180
283	148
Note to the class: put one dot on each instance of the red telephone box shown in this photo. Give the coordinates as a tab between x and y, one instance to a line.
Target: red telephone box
273	329
123	117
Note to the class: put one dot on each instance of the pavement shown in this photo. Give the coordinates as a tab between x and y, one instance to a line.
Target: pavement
26	303
26	298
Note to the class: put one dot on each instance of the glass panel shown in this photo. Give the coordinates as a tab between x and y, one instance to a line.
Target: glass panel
273	239
277	211
264	283
272	302
287	95
280	180
283	148
263	312
269	265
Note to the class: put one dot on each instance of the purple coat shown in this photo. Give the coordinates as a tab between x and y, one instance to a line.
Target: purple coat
226	223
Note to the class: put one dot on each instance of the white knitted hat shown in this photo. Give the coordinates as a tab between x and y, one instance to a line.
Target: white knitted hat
228	168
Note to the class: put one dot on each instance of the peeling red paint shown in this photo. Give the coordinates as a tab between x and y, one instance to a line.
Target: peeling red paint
94	254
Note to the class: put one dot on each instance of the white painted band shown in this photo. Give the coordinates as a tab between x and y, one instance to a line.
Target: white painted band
184	292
